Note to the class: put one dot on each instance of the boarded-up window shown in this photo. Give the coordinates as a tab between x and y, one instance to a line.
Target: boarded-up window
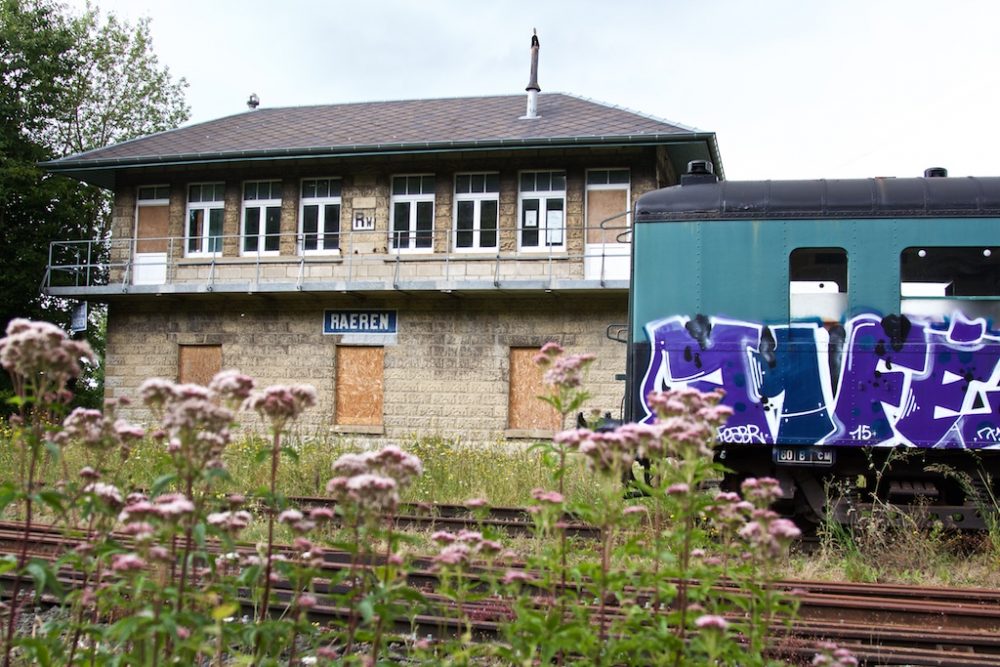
607	203
151	229
524	409
359	386
198	364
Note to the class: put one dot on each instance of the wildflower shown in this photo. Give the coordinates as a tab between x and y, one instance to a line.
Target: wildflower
281	404
43	353
182	632
572	437
472	537
453	555
350	465
373	492
395	559
327	653
549	351
127	432
106	492
711	622
393	462
231	522
231	386
172	505
475	503
127	563
290	516
86	472
85	426
443	537
567	372
141	530
489	547
541	495
306	601
678	489
320	514
516	576
159	553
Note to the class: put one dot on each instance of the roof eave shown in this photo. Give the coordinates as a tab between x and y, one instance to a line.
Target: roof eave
100	171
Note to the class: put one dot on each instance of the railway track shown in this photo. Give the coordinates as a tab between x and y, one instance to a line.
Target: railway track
881	624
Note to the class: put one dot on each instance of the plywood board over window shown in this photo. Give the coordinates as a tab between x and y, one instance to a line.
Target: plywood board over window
359	386
525	411
152	229
198	364
606	205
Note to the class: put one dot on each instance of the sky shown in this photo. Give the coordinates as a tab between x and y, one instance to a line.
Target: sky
792	88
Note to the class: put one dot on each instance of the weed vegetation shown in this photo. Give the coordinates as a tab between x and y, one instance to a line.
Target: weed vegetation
162	574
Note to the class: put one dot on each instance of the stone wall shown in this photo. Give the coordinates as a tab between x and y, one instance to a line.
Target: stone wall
446	370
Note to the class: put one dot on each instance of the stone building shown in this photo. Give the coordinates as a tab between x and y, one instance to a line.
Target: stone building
406	258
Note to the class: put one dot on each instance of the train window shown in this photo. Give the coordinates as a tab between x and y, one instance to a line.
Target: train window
817	284
936	282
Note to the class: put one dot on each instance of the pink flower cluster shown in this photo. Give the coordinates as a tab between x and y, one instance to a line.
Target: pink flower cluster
232	522
765	530
458	549
372	481
97	430
281	404
562	372
42	353
167	507
831	655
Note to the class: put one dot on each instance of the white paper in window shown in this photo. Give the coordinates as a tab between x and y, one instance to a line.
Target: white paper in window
554	228
531	219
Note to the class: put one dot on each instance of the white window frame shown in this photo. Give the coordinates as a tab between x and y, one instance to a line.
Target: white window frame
546	235
477	199
412	199
208	245
263	205
321	203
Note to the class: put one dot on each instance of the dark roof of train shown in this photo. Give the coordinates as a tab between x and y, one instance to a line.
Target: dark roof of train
858	198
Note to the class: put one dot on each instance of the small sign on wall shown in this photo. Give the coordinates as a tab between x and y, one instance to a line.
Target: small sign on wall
359	321
364	221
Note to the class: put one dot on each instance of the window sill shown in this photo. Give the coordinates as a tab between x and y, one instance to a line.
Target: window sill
365	429
529	434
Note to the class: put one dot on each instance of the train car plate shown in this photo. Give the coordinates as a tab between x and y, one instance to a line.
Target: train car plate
805	456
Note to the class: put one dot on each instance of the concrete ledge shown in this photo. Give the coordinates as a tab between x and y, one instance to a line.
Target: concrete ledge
366	429
528	434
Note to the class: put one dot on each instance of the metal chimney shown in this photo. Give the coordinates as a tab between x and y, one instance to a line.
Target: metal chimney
533	88
253	102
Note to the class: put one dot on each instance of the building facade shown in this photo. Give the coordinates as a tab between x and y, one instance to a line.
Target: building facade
406	258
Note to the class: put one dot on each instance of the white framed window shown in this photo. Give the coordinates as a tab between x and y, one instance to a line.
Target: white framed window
203	232
411	212
542	210
153	195
261	231
477	210
319	216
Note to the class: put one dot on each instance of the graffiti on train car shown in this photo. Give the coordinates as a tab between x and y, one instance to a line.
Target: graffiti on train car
872	381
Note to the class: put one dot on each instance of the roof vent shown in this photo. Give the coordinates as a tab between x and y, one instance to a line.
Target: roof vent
253	102
935	172
699	171
533	88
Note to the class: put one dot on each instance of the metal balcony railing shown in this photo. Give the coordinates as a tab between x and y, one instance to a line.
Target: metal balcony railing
357	260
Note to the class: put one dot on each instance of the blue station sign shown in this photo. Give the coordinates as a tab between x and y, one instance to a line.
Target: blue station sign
359	321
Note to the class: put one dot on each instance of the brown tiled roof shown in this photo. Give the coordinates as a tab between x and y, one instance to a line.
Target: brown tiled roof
378	126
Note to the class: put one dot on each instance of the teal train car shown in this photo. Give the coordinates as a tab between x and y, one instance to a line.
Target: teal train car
853	324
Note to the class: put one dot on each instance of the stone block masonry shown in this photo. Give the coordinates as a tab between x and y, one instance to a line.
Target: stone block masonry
446	370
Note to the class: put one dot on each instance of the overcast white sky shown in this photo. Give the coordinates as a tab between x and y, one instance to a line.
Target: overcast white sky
792	88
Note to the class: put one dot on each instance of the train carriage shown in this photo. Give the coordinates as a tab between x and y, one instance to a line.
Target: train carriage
853	324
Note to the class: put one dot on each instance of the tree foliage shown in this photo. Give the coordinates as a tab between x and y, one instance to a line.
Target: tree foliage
68	84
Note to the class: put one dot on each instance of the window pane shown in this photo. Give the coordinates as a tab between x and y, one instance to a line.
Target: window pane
465	224
618	176
529	222
969	271
492	182
249	191
308	189
196	220
401	225
598	177
426	185
488	224
554	221
334	187
310	225
425	224
817	284
272	227
543	181
194	193
528	181
412	185
215	230
251	229
331	226
217	192
399	185
462	183
558	181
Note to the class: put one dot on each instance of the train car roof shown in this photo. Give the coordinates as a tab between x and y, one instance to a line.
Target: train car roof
705	198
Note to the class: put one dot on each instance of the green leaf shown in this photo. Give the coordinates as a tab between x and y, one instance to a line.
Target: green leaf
263	455
161	483
290	453
44	578
7	563
8	494
366	610
53	499
225	611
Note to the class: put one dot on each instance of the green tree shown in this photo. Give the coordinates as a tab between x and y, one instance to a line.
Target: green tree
68	84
